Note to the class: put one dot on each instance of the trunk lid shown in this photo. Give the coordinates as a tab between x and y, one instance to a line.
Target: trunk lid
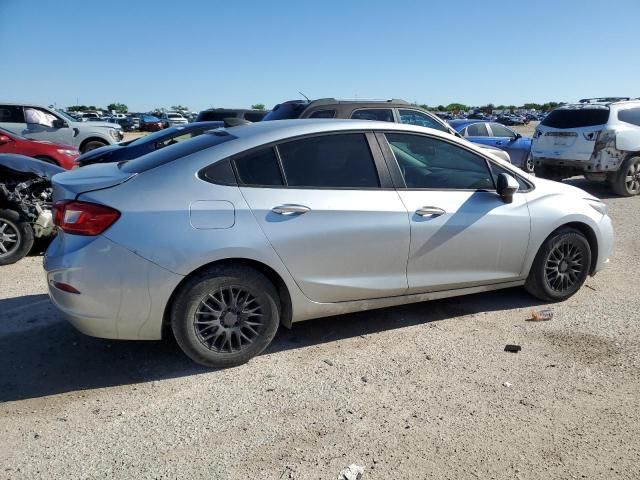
70	184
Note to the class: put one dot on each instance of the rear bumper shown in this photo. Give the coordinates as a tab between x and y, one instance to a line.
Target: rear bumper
122	295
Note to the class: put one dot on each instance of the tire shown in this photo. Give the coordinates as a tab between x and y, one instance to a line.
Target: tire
565	251
223	338
529	164
16	237
92	145
626	183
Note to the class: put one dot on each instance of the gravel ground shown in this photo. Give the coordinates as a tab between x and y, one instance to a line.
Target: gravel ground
421	391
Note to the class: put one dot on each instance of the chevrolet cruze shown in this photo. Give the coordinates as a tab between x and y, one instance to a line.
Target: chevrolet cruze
224	237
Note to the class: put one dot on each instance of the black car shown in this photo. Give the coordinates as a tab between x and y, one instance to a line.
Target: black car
127	124
226	114
143	145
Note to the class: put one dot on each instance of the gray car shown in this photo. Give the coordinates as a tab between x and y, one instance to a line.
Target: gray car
226	236
42	123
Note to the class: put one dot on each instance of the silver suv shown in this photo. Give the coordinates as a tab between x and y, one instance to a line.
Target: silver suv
42	123
598	138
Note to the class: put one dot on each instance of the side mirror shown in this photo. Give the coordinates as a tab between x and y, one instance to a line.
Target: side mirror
506	187
4	139
58	123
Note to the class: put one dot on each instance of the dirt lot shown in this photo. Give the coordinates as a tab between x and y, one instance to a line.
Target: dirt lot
414	392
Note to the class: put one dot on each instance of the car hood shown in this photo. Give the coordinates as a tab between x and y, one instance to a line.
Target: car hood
83	125
560	188
23	164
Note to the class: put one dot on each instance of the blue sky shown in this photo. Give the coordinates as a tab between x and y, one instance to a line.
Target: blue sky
234	53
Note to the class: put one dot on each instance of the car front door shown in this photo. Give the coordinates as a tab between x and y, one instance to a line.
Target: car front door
327	205
462	233
42	124
506	139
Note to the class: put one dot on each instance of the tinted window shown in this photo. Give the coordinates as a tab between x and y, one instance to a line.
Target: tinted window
414	117
286	110
329	161
431	163
380	114
631	115
220	172
501	131
259	168
11	114
213	116
476	130
169	154
576	118
254	116
323	114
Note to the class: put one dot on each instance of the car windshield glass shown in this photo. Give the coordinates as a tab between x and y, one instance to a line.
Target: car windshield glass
576	118
173	152
285	111
64	115
149	118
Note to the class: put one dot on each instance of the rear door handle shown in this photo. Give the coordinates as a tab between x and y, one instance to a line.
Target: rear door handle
430	212
290	209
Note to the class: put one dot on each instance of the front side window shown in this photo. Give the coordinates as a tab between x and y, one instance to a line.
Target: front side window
476	130
501	131
379	114
630	115
323	114
414	117
259	168
427	162
329	161
39	117
11	114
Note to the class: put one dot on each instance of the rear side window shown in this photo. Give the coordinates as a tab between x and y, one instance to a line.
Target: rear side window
576	118
11	114
323	114
427	162
501	131
174	152
259	168
254	116
476	130
379	114
329	161
631	115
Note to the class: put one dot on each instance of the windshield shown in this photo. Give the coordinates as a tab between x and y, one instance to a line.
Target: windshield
66	116
576	117
149	118
284	111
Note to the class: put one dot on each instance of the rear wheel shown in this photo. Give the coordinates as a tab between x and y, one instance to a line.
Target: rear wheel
627	180
16	237
225	316
560	267
529	163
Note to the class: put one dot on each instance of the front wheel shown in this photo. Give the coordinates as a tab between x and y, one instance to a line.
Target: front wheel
627	180
16	237
560	267
92	146
225	316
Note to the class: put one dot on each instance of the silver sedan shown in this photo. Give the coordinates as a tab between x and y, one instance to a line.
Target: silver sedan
223	238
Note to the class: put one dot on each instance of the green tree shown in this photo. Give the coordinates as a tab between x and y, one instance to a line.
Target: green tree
456	107
118	107
258	106
77	108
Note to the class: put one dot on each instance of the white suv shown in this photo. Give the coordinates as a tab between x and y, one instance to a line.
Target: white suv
171	119
598	138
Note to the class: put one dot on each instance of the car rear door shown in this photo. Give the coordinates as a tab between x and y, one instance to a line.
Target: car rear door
462	233
327	205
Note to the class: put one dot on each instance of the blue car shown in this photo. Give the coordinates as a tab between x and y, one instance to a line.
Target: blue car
143	145
499	136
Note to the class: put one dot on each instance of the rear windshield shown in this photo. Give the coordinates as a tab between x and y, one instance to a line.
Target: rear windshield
173	152
285	111
576	118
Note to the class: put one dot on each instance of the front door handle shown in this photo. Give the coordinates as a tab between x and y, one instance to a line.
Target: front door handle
290	209
430	212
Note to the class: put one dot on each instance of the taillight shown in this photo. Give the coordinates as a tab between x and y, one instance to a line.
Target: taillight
83	218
